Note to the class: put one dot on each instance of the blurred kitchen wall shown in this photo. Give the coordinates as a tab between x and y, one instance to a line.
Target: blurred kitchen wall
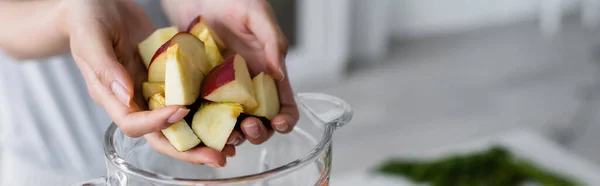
331	34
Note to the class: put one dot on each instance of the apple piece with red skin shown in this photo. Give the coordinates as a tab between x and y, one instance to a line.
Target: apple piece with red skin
148	46
180	134
188	43
149	89
267	96
214	122
230	82
156	70
200	28
214	45
182	78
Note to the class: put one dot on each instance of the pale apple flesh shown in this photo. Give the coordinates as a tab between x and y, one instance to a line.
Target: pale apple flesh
182	79
230	82
180	134
267	96
156	71
148	46
200	28
190	45
149	89
212	52
214	122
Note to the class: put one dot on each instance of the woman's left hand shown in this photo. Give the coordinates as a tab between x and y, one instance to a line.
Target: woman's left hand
249	28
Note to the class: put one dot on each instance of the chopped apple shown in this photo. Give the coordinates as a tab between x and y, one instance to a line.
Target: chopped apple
188	43
214	122
149	89
148	47
182	79
156	71
200	28
230	82
267	96
180	134
212	52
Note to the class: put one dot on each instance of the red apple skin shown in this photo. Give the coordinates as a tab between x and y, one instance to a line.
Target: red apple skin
217	40
215	80
193	23
162	49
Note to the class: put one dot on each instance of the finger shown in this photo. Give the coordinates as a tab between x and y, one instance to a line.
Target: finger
229	151
236	138
111	86
286	120
198	155
262	24
255	131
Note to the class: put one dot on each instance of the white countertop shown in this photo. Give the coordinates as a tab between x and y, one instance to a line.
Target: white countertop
524	143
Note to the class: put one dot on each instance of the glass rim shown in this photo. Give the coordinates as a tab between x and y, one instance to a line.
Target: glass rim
117	161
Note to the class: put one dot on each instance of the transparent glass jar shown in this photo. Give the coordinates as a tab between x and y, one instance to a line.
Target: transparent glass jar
300	158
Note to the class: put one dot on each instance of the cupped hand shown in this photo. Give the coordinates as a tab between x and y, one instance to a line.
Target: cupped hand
103	36
247	27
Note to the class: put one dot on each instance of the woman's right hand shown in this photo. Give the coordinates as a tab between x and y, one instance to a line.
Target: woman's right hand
103	36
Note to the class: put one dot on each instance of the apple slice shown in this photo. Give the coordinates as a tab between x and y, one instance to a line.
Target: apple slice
267	96
230	82
180	134
156	71
182	78
148	47
214	122
188	43
212	52
149	89
200	28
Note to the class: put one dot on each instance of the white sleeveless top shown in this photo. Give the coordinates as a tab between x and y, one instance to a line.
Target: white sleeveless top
47	117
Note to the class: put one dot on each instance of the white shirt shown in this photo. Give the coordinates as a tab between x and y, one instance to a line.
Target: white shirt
48	119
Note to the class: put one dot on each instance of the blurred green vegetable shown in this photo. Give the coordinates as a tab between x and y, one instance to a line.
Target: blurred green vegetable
494	167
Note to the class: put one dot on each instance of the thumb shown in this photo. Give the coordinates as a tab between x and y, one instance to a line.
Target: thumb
111	86
262	24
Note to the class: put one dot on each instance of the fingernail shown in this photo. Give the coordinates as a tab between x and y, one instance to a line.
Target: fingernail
281	125
229	155
252	130
121	93
281	61
178	115
234	140
214	165
238	141
282	74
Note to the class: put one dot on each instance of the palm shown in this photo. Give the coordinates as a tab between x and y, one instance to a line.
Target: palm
247	27
126	25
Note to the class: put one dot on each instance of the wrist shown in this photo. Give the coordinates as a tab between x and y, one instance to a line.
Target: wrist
61	24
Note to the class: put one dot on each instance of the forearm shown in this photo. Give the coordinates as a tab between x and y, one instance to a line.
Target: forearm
32	29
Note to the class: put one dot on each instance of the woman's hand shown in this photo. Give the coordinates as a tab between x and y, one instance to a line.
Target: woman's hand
103	36
247	27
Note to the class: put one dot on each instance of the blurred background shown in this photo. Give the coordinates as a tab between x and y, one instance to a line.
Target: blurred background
426	77
426	74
